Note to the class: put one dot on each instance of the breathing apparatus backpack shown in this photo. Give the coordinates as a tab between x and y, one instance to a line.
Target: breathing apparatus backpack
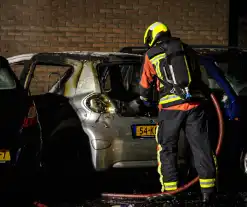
177	70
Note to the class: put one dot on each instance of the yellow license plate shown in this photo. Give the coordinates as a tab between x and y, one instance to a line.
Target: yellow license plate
145	130
4	156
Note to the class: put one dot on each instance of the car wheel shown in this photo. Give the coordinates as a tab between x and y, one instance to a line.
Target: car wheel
243	161
67	149
67	161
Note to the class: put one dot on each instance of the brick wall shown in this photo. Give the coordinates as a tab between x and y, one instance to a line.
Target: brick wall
105	25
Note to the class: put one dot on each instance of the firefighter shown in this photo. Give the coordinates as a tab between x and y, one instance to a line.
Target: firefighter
175	114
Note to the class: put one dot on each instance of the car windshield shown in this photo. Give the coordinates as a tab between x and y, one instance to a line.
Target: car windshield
7	81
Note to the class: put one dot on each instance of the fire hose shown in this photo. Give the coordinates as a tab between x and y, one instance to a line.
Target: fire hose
189	184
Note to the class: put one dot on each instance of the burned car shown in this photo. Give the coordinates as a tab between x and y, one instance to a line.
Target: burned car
92	96
86	112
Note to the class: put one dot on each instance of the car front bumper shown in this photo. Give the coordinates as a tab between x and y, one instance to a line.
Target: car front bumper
123	154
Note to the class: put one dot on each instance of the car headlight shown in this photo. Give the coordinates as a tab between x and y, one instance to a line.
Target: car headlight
99	103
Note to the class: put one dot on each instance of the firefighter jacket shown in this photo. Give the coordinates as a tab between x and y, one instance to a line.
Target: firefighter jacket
151	68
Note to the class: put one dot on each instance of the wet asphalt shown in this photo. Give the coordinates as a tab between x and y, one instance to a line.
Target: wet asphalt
146	181
67	191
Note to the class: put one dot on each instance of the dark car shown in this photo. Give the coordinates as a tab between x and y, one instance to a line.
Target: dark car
19	126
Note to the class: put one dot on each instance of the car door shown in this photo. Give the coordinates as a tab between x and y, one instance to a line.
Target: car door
51	80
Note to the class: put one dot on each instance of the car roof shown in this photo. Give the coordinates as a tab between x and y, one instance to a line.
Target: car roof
78	55
126	53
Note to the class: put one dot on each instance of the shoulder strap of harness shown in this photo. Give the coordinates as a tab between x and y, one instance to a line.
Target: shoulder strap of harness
169	57
163	47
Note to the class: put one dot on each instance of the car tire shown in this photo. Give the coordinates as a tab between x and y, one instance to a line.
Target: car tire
67	161
67	146
243	161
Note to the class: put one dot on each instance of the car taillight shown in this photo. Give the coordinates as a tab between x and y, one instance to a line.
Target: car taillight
31	118
99	103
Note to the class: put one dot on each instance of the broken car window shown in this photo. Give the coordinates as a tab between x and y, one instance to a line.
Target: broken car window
121	81
45	76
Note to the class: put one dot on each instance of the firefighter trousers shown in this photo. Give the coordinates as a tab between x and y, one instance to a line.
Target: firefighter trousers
194	122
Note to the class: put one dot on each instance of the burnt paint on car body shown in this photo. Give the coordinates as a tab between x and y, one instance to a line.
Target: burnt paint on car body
101	129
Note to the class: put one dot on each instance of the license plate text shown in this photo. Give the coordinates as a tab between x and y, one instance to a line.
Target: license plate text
145	131
4	156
